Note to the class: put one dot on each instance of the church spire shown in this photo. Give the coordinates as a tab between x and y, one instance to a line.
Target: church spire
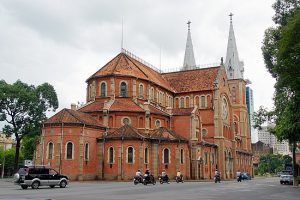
189	59
234	67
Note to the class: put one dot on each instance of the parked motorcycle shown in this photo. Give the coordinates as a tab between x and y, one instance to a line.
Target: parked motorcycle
179	179
137	180
149	179
163	179
217	178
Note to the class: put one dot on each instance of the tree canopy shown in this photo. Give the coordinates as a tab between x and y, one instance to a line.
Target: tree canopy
272	163
23	107
281	52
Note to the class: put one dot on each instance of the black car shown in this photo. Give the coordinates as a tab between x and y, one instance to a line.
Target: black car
36	176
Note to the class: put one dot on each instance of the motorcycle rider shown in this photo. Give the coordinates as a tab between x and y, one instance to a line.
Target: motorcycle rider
217	175
147	175
138	175
179	175
164	176
238	175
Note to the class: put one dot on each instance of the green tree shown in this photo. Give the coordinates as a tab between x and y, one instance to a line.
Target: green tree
281	50
9	160
23	107
272	163
28	145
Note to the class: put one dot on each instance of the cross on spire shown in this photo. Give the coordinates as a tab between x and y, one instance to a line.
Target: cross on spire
230	15
189	25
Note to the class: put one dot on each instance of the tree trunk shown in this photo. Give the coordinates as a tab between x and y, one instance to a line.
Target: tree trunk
16	165
295	168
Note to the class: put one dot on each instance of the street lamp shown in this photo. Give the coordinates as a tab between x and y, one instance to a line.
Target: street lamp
3	163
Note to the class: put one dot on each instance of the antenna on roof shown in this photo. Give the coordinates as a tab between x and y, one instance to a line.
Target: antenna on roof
122	34
160	58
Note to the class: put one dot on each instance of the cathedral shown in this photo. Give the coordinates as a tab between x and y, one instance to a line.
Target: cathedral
136	117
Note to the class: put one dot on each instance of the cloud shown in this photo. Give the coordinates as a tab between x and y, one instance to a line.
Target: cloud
64	42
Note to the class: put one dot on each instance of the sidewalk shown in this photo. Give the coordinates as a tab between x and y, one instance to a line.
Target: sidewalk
9	179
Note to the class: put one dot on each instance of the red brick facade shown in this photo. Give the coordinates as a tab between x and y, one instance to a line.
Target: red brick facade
137	118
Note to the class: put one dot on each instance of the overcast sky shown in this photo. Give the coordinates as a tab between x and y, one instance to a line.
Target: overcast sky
63	42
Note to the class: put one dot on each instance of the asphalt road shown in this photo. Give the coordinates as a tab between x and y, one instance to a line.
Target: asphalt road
256	189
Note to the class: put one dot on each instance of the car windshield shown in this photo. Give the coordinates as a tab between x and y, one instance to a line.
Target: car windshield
23	171
287	172
52	172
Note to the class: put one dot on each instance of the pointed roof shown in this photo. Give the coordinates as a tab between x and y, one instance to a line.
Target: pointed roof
128	132
68	116
125	65
155	110
163	133
234	67
193	80
125	132
93	106
189	59
125	104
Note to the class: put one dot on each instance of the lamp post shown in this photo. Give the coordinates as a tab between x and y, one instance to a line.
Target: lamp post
3	163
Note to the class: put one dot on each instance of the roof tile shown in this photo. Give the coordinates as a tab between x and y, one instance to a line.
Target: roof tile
125	104
192	80
72	117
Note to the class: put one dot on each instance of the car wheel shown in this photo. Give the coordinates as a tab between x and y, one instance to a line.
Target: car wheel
52	186
35	185
63	184
24	187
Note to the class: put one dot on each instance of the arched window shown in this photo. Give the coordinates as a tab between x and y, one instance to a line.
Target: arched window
111	155
234	94
152	94
181	104
205	158
203	102
50	150
130	155
146	156
157	123
204	132
181	156
126	121
86	151
103	89
234	128
69	155
166	156
123	89
141	91
187	102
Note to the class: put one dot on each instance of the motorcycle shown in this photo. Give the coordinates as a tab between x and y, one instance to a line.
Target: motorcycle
179	179
239	178
149	179
217	178
137	180
163	179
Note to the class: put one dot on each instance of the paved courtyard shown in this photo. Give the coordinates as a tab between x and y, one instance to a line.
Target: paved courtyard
256	189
